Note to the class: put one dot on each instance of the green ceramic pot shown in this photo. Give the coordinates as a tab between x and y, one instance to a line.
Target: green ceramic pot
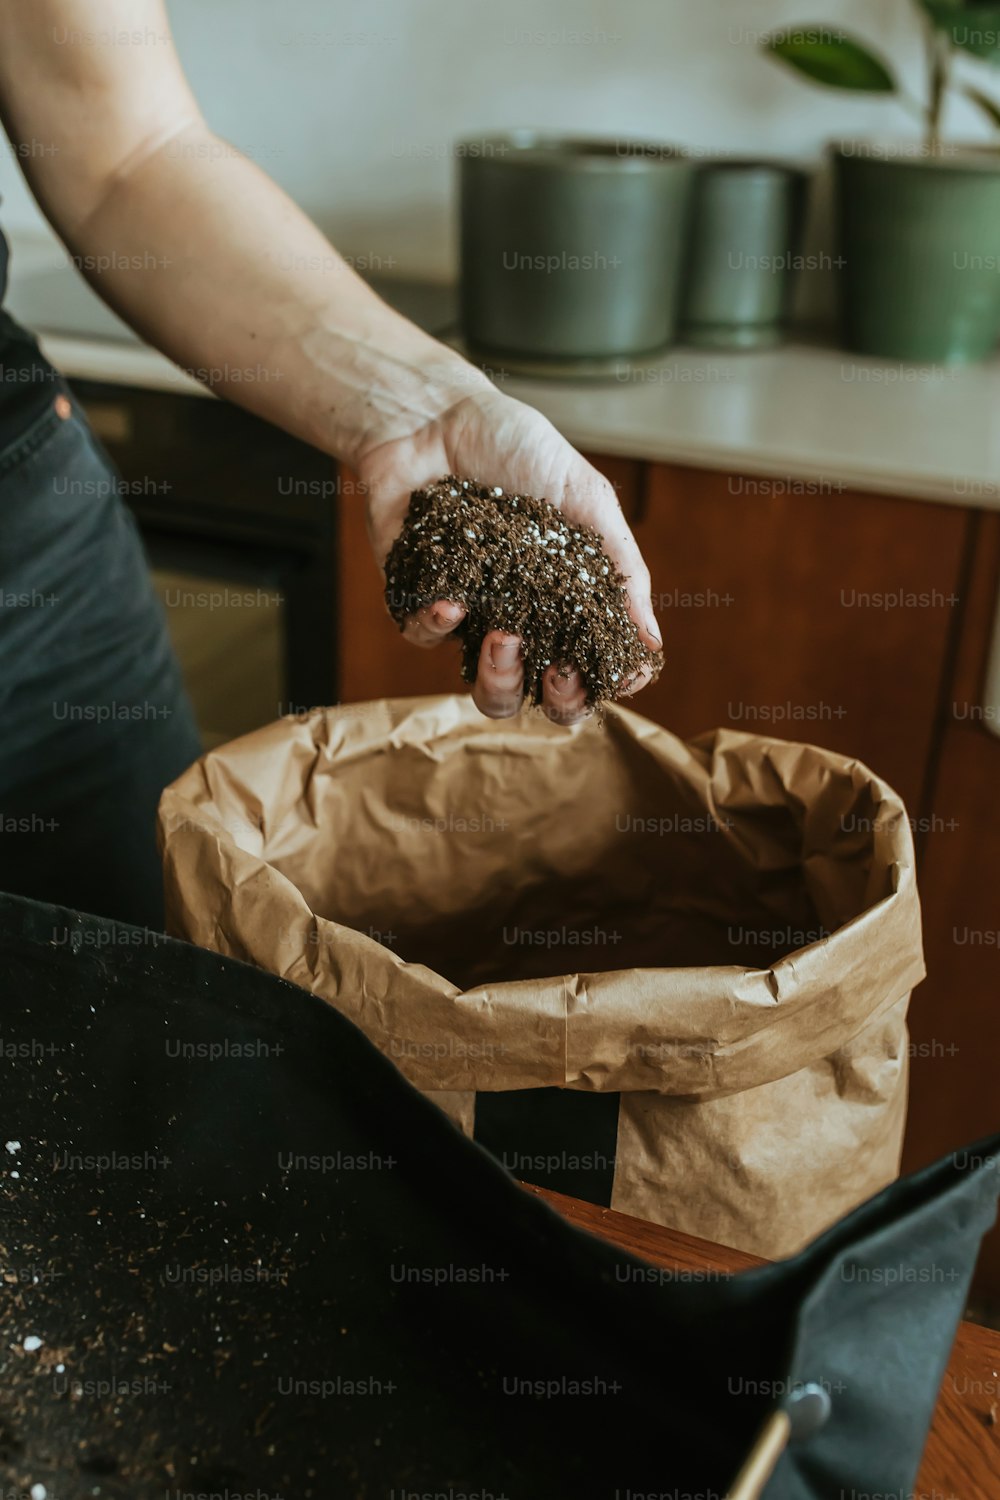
746	225
570	249
919	240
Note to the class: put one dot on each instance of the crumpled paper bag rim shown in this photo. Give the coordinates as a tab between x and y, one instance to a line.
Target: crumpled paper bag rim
693	1032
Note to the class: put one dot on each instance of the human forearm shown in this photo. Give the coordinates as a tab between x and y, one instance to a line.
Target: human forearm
209	260
199	250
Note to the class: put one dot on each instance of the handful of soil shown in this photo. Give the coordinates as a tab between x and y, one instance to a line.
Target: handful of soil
517	564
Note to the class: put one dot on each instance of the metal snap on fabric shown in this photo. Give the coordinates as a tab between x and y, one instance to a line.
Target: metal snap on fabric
809	1408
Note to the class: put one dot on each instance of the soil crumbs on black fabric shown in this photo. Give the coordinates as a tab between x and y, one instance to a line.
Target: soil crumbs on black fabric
518	565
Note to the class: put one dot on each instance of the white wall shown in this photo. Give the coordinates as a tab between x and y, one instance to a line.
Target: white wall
353	104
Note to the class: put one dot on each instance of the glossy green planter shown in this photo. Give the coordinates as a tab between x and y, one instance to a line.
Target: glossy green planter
920	241
571	250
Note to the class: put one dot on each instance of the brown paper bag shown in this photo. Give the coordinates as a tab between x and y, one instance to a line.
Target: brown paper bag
725	933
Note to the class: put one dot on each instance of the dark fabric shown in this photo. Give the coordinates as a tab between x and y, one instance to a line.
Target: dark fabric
562	1139
95	718
27	380
266	1264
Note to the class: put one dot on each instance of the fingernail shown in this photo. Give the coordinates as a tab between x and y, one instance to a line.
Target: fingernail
445	613
561	680
653	629
505	654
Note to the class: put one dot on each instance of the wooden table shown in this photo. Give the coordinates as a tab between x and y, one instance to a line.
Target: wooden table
962	1457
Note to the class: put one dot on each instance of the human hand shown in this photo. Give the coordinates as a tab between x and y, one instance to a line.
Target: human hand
490	436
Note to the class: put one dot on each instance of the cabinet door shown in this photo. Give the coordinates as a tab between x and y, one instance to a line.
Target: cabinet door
803	614
375	661
955	1013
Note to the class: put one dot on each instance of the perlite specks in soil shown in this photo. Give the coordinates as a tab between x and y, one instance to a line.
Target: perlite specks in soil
517	564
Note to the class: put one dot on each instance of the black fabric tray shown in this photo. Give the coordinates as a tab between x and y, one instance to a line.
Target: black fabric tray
233	1313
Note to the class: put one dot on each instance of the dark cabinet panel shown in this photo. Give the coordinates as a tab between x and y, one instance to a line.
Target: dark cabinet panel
817	616
224	497
955	1013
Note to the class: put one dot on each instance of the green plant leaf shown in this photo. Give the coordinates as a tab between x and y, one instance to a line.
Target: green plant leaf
984	102
973	28
832	58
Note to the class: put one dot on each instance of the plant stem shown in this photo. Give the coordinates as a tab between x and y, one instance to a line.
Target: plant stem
939	61
910	102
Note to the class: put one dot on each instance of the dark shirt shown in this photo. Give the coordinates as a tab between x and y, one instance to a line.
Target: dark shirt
28	383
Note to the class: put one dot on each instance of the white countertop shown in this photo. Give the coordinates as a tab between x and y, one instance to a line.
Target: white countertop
804	414
799	413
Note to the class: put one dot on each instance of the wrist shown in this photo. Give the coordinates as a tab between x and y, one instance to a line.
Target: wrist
395	384
417	398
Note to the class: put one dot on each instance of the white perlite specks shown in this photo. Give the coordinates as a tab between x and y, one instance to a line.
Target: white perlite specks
517	564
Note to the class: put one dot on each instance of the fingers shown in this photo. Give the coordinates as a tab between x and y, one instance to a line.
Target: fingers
564	697
499	686
624	549
429	626
638	682
599	507
621	545
640	599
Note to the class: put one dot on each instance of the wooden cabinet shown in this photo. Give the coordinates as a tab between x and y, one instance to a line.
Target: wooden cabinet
779	613
955	1013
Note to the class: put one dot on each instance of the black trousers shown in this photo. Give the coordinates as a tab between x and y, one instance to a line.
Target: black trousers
94	719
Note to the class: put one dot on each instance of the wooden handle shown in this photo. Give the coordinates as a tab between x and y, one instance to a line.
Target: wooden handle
760	1465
